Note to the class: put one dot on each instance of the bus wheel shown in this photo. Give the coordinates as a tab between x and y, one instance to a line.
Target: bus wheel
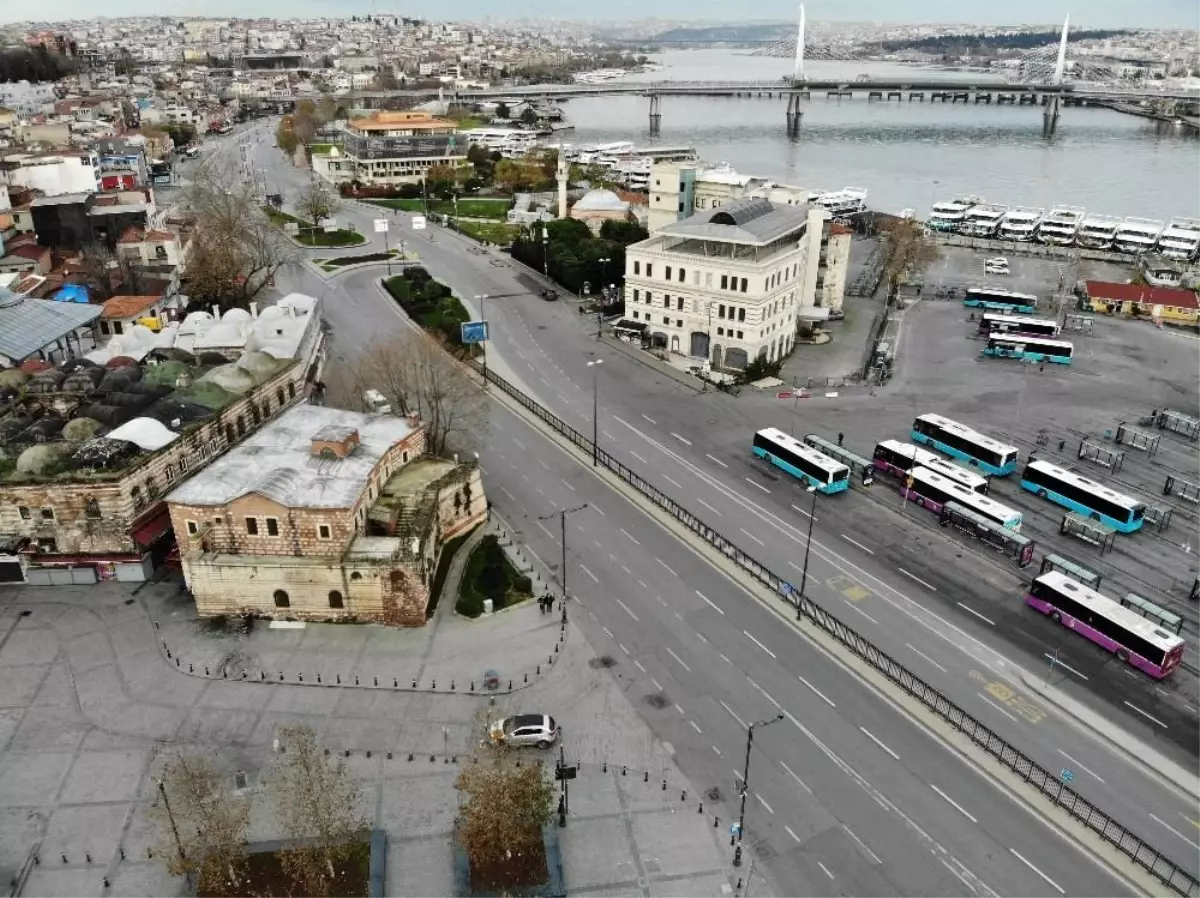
1056	617
1041	494
1123	655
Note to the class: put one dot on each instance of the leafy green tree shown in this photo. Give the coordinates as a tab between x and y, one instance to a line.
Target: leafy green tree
623	232
502	110
528	116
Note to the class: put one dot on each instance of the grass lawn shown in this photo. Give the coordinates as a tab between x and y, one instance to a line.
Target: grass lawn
493	232
470	124
474	207
310	237
490	575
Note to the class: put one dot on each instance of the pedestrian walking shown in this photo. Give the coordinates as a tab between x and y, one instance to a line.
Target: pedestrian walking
841	436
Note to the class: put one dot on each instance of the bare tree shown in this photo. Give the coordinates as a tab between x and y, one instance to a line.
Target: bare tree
909	250
107	273
503	811
235	251
317	801
419	377
317	201
201	823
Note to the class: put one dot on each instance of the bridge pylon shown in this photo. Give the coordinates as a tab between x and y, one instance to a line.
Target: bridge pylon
798	62
1053	102
794	114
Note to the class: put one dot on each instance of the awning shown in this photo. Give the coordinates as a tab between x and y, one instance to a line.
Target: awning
812	313
150	532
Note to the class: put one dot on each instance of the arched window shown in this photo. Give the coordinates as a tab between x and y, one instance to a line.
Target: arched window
335	599
356	576
282	600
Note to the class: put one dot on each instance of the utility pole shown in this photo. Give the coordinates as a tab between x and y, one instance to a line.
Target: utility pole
737	852
595	366
562	520
812	516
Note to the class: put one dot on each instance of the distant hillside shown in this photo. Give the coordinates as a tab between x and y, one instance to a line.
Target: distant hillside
984	45
726	34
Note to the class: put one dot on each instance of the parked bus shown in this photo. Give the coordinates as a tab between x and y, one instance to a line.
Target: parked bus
999	300
801	461
1078	493
1033	349
1133	639
931	490
996	323
897	459
962	442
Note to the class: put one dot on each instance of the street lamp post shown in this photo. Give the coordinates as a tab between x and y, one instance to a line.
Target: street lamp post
562	521
737	851
595	366
545	250
482	299
604	277
812	516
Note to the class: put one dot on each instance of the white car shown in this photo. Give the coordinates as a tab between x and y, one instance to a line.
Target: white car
996	266
524	729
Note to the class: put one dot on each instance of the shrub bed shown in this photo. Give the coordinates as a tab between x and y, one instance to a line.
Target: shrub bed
431	304
490	575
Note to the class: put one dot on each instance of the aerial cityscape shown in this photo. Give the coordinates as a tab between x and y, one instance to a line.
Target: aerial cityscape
552	451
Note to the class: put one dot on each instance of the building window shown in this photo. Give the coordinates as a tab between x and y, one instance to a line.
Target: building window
183	464
241	425
724	282
666	319
192	528
47	514
104	327
23	511
682	275
356	576
744	285
708	279
169	473
47	544
291	390
721	310
635	315
324	532
117	328
404	457
93	509
679	322
272	527
335	599
252	526
739	335
720	331
649	269
742	313
229	433
668	273
679	303
136	494
282	600
637	267
666	300
636	292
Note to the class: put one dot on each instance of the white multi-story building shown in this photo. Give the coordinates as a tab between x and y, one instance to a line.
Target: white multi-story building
729	285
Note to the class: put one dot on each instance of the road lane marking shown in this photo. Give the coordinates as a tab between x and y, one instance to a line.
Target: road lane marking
766	694
702	502
997	707
871	736
990	623
638	457
630	537
657	685
803	512
668	569
701	637
737	773
759	485
788	829
638	665
763	802
718	751
564	483
1055	662
954	804
622	648
599	545
545	530
1084	769
507	493
927	658
928	586
724	657
543	464
819	693
626	607
608	631
855	542
717	460
651	420
1147	716
608	436
672	482
710	601
681	439
694	727
679	709
752	536
678	659
734	716
1171	828
597	509
792	774
520	445
1022	859
826	869
642	584
861	844
759	644
595	579
860	611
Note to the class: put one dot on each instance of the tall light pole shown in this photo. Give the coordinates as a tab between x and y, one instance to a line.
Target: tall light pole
595	366
562	521
545	250
604	277
812	516
737	851
482	299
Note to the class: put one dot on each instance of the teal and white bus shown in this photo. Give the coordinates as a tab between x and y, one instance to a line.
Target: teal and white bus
1076	492
959	441
1030	349
801	461
996	300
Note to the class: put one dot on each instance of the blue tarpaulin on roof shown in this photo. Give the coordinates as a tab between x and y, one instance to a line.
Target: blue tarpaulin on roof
72	293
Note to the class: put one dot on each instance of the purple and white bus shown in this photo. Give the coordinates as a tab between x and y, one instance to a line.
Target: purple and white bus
1132	638
932	490
897	459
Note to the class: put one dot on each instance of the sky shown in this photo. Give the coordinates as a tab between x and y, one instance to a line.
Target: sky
1087	13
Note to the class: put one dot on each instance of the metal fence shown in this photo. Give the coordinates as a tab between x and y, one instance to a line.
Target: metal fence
1045	781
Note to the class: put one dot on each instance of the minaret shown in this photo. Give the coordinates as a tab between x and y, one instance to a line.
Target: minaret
564	173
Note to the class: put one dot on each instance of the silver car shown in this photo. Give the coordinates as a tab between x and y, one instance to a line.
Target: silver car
524	729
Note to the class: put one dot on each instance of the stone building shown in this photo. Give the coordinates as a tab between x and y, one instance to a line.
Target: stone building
324	515
596	207
833	264
88	449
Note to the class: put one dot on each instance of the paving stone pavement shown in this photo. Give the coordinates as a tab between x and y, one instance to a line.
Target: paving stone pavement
89	705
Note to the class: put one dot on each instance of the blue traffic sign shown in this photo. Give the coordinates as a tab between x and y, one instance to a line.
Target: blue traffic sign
1066	775
474	331
733	829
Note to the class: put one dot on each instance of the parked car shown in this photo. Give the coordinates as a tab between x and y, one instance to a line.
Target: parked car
998	265
549	295
524	729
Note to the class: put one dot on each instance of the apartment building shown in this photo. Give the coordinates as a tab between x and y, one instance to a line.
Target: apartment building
324	515
397	147
729	285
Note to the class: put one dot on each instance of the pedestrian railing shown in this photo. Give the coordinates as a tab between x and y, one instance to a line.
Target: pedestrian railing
1049	784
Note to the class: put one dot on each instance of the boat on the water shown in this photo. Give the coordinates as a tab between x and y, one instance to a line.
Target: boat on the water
983	220
1021	223
1061	226
843	203
949	215
1097	231
1181	239
1137	235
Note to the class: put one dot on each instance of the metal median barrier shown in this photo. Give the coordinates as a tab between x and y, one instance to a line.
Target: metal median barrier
1048	783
